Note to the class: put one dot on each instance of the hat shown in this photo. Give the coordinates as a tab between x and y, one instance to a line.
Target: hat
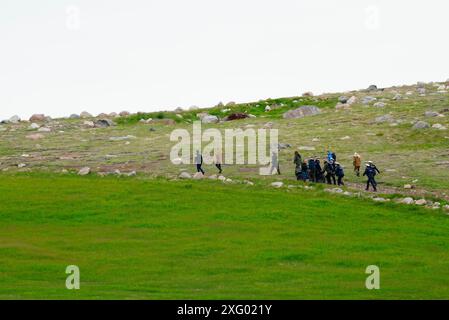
367	164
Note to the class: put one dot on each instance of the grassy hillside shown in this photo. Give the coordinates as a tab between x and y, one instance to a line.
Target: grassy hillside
152	238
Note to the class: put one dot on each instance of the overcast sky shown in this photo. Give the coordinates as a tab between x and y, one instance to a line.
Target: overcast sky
60	57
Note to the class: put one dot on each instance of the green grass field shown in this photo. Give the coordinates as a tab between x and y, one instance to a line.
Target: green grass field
158	239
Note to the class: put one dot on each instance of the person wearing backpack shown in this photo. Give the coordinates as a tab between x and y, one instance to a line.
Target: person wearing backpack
370	172
339	172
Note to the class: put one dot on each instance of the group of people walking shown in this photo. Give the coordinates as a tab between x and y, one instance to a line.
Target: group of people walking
331	172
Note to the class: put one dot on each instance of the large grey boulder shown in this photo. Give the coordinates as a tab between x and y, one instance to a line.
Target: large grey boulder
185	175
14	119
372	87
104	123
210	119
74	116
421	125
301	112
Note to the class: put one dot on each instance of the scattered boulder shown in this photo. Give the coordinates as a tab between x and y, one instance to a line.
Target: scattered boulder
124	114
343	99
397	97
104	123
267	109
351	100
421	125
439	126
38	118
74	116
21	165
408	186
407	200
307	94
379	199
14	119
213	177
198	176
367	100
345	138
209	119
379	104
85	114
302	112
372	87
89	124
248	182
44	129
384	118
222	178
283	146
185	175
431	114
34	126
421	91
421	202
277	184
84	171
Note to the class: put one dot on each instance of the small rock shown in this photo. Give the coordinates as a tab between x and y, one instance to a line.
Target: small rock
345	138
44	129
124	114
209	119
343	99
198	176
132	174
74	116
248	182
305	148
407	200
104	123
185	175
397	97
267	109
302	112
379	104
372	87
379	199
89	124
431	114
277	184
222	178
367	100
213	177
384	118
421	202
84	171
34	126
439	126
408	186
421	125
21	165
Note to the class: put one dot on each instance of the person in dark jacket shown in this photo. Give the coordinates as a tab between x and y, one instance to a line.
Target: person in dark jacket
304	172
371	171
297	160
318	171
312	171
199	162
339	172
329	169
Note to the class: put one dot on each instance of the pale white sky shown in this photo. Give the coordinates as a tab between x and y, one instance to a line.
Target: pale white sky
60	57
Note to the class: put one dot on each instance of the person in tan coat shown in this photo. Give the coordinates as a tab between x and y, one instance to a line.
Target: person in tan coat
357	162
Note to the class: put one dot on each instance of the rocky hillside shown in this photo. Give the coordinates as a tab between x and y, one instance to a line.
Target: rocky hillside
402	129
